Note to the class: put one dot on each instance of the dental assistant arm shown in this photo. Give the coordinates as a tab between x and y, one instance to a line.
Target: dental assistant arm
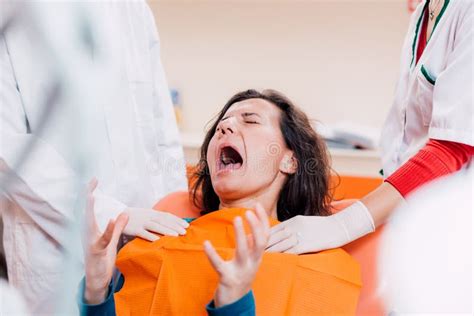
436	159
316	233
449	148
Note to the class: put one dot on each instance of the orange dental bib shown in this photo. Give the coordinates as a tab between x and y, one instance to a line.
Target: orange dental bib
173	276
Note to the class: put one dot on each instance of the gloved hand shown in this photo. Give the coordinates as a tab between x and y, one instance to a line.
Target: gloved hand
303	234
142	222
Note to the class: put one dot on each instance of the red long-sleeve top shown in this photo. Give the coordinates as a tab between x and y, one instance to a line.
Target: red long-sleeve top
436	159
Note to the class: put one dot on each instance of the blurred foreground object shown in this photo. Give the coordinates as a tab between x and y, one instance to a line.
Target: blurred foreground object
12	303
49	91
82	94
426	255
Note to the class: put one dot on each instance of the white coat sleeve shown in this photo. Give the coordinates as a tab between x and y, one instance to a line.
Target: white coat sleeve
171	150
45	186
452	117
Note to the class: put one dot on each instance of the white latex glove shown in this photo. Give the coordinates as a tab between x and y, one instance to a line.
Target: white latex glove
144	222
303	234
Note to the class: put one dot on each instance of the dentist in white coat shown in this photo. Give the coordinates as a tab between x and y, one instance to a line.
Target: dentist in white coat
140	158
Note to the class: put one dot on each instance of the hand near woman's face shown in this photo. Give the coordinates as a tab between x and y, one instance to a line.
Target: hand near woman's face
236	276
100	250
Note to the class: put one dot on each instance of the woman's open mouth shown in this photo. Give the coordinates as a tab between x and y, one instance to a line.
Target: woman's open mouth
229	159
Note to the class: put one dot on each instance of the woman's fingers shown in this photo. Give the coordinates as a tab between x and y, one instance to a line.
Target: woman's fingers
120	224
105	238
112	232
92	227
92	185
91	224
258	233
214	258
284	244
263	217
241	250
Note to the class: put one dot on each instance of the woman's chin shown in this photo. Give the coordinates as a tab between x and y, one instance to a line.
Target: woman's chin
228	189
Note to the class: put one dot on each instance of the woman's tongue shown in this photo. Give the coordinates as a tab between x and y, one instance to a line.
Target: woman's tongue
231	165
230	159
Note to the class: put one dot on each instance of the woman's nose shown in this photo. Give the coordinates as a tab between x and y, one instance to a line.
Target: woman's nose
226	127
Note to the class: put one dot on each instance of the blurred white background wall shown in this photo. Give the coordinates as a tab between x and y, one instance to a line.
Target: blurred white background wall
338	60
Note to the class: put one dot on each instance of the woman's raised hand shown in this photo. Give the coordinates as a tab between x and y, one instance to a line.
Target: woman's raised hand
236	275
100	250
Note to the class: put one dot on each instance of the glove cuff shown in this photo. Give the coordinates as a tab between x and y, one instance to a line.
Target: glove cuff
356	221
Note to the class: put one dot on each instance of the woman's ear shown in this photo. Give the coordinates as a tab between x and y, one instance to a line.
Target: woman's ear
289	164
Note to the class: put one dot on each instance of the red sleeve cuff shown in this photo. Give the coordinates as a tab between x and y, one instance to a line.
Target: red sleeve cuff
436	159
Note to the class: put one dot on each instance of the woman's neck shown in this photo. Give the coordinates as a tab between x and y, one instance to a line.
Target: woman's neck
267	197
269	204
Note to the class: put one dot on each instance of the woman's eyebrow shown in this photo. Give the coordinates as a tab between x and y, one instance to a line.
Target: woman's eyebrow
247	114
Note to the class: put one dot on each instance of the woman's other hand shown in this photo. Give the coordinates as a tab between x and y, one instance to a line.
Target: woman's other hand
144	222
236	276
100	250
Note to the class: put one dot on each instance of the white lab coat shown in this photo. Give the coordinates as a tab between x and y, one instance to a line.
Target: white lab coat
139	157
434	97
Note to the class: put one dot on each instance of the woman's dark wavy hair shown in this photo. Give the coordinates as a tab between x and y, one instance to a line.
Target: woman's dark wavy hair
306	192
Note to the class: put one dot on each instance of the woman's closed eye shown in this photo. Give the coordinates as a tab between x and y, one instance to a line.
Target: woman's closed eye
251	118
